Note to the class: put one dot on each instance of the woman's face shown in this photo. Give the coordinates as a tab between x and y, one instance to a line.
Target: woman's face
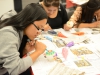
51	10
33	30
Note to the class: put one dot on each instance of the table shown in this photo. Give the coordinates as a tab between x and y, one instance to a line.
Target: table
83	56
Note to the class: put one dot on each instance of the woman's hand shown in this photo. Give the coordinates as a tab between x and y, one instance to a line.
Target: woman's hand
47	27
29	47
66	27
39	47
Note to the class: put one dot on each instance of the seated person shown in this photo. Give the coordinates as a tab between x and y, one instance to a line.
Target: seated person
14	31
57	15
86	16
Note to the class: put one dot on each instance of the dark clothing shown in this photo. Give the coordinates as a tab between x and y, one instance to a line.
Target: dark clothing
24	41
23	44
3	71
60	19
27	72
9	55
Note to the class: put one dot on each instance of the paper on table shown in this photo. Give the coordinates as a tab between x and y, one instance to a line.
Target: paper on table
42	66
49	44
61	69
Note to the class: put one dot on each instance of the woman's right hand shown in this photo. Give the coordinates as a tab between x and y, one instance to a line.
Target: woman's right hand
66	28
39	47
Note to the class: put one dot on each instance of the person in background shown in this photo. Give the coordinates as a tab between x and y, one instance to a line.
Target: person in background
26	24
57	15
86	16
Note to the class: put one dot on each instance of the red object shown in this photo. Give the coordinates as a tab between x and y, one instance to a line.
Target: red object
78	33
69	4
61	35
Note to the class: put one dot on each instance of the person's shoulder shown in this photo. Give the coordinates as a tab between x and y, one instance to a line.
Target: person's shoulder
61	6
8	14
9	29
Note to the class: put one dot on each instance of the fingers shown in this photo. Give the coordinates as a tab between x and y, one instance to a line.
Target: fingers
31	42
66	27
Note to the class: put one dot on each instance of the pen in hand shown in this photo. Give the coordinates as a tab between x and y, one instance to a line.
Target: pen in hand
31	42
30	46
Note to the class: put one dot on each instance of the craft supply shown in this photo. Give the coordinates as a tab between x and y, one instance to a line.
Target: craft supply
65	53
78	33
61	42
52	32
48	38
51	55
61	35
70	44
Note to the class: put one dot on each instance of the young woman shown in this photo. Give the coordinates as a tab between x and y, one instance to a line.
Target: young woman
29	22
57	15
86	15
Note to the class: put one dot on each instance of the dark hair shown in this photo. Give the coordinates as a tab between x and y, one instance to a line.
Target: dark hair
49	3
40	0
89	9
32	12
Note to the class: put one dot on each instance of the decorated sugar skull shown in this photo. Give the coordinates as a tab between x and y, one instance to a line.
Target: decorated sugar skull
51	55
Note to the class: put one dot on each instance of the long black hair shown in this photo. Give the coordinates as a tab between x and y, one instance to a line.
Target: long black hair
89	9
32	12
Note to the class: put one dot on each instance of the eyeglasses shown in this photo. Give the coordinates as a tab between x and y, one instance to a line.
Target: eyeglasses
40	30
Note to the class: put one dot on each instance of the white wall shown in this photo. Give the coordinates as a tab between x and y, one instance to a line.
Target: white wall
6	5
25	2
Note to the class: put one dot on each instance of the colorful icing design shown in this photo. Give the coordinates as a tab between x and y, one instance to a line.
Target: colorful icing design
51	55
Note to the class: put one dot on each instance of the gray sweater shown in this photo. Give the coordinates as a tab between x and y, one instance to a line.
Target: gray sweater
10	40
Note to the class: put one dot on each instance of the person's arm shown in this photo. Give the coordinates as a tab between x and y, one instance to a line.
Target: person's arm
35	55
89	25
38	48
83	25
9	55
74	18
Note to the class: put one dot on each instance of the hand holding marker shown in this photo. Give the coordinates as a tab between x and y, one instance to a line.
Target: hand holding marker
32	44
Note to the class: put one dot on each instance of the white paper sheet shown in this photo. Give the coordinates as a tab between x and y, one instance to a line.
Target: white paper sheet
42	66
